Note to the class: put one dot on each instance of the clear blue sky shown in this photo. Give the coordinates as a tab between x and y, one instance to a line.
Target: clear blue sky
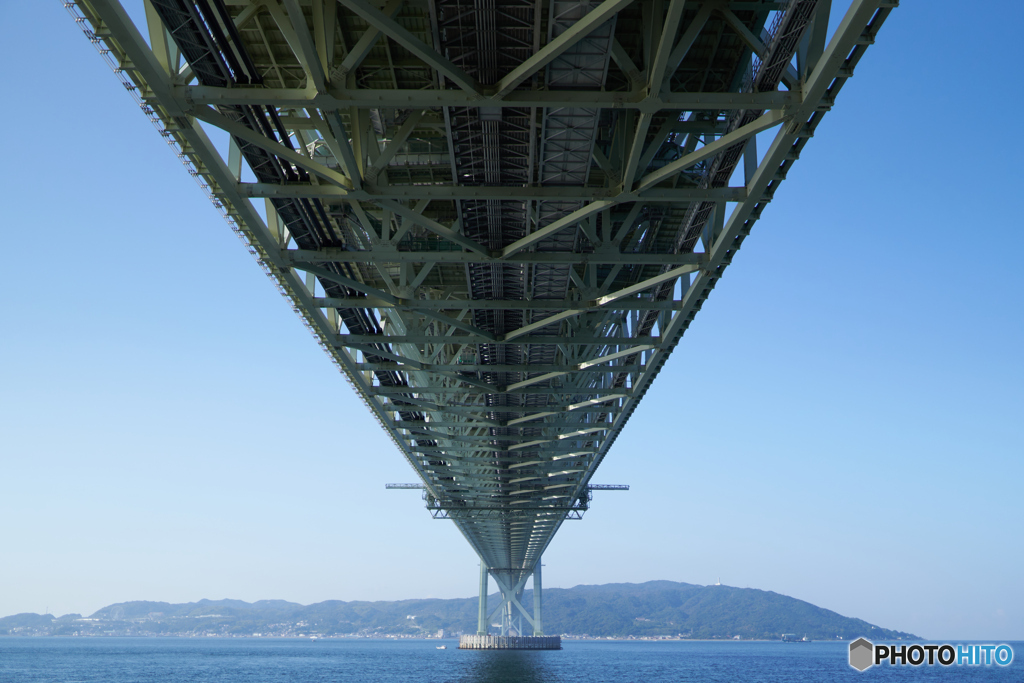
843	422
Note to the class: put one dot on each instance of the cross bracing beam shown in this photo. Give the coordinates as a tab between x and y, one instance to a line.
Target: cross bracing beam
591	21
388	154
238	130
385	24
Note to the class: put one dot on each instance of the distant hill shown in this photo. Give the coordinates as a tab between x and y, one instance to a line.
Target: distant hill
655	608
667	607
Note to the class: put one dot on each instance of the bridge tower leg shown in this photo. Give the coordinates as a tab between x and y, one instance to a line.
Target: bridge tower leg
506	618
538	630
481	620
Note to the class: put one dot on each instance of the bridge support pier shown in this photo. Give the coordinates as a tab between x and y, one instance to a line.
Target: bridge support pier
512	614
470	642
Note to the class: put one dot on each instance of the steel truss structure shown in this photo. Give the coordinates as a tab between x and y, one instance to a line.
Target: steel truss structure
497	216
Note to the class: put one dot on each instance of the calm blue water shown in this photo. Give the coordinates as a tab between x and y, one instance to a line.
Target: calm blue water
144	660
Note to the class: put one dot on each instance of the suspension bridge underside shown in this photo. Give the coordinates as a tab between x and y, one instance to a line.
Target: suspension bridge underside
498	217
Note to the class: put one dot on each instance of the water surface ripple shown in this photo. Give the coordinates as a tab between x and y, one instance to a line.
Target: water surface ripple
252	660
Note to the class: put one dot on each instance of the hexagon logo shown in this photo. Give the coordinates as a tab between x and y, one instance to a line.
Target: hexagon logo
861	654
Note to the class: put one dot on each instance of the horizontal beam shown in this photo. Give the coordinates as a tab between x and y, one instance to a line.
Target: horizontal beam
500	511
341	98
347	339
429	367
509	460
578	408
516	440
299	257
294	122
490	304
539	391
578	417
479	412
592	487
554	447
439	192
515	425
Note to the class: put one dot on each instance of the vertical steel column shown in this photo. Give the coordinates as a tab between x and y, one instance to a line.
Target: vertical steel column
538	630
506	617
519	615
481	620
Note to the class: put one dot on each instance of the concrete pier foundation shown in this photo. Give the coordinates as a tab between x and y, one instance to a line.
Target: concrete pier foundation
478	642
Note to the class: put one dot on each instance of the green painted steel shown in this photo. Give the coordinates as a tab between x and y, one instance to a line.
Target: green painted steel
538	628
497	218
481	622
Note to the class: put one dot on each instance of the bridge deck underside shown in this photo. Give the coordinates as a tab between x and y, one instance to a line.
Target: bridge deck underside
498	216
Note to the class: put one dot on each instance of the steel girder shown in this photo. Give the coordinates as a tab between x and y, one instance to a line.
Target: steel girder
497	218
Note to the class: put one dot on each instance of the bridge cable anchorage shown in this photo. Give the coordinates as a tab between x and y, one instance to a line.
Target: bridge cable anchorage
499	224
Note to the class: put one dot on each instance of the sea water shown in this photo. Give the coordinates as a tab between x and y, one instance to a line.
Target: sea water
264	660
